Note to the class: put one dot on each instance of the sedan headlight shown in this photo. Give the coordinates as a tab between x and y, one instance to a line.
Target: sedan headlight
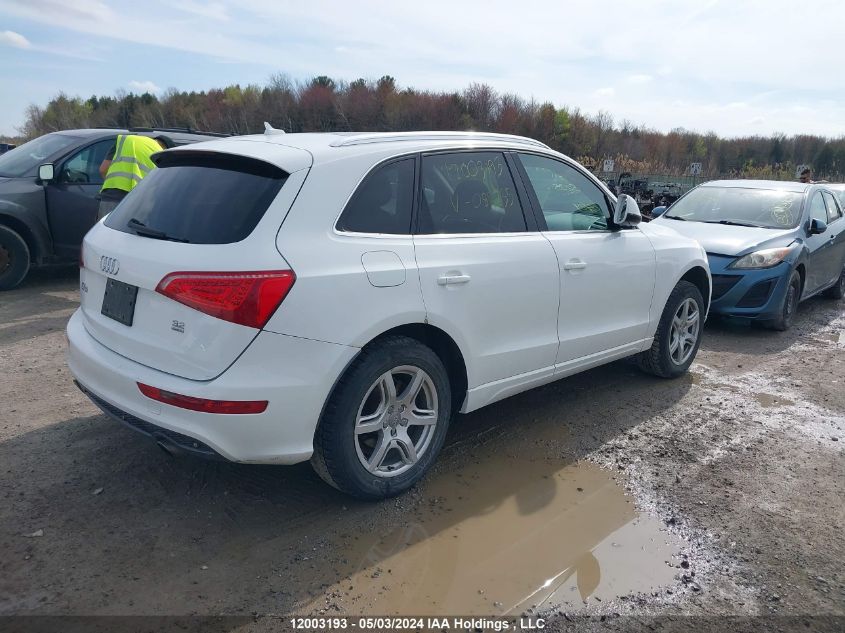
765	258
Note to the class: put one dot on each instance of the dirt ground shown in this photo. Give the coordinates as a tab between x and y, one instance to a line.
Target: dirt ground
610	500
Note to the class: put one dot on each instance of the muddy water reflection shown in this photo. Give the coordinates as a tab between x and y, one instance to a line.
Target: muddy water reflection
498	537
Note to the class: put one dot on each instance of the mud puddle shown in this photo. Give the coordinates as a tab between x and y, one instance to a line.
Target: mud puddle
768	400
500	537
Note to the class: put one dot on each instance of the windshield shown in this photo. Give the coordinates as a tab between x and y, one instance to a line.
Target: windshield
24	159
765	208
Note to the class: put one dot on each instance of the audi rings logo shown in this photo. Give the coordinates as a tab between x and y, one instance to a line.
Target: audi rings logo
109	265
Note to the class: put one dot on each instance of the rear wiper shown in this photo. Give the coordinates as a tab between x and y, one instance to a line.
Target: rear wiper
142	229
732	223
674	217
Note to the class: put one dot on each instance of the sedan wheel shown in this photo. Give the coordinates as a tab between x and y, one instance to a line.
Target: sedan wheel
678	333
396	421
386	420
684	332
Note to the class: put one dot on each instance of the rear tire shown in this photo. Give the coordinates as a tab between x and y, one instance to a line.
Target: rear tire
678	334
386	420
837	290
789	306
14	258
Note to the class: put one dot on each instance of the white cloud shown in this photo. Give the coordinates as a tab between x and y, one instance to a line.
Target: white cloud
213	10
605	92
639	79
16	40
144	86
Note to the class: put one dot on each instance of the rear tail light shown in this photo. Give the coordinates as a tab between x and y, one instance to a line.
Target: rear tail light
247	298
202	404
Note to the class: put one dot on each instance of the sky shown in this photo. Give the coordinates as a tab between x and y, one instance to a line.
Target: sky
735	68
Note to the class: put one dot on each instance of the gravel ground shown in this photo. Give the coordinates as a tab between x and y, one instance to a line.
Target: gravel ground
736	468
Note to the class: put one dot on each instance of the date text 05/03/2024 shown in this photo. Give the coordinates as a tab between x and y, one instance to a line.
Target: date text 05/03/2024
385	624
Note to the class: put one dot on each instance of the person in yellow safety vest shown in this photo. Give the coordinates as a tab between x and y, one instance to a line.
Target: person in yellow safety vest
125	166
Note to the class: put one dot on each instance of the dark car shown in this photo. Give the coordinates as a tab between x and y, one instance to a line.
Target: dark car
43	221
770	244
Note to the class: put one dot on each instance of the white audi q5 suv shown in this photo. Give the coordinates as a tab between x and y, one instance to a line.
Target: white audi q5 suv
338	297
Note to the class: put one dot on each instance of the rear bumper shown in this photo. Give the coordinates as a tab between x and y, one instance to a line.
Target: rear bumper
294	375
750	294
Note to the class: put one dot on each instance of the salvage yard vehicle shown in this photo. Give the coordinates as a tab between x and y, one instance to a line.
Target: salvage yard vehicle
770	244
48	195
336	297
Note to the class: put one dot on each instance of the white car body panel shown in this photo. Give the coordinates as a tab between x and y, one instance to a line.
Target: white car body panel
295	388
606	287
521	320
503	306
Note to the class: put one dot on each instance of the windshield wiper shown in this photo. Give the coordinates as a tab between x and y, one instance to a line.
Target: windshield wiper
142	229
732	223
674	217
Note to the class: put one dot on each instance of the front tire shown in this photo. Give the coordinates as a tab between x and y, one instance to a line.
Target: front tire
678	334
14	258
386	420
789	306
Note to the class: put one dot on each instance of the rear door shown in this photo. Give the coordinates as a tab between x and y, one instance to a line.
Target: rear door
837	235
606	276
201	227
72	197
488	277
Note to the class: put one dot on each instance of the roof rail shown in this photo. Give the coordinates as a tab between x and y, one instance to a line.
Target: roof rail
389	137
184	130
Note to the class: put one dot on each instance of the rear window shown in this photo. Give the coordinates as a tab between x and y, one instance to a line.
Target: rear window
199	198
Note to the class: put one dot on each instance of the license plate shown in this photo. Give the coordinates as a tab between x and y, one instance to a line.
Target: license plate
119	301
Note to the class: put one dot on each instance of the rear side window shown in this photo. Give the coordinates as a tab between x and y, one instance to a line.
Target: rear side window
382	204
468	192
200	198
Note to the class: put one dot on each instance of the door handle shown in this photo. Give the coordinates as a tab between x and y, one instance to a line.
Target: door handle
449	279
575	264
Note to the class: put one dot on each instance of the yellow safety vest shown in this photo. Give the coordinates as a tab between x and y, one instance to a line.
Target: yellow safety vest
131	162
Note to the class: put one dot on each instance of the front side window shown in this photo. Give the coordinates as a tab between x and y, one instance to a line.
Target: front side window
569	200
817	209
833	210
382	204
84	166
468	192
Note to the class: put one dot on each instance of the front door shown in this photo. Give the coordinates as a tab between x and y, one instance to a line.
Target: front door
606	276
488	277
822	247
72	197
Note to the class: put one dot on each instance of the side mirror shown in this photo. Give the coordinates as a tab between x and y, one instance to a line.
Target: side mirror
817	227
656	212
627	211
46	173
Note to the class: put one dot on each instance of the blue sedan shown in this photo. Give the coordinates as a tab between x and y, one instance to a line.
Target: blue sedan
770	244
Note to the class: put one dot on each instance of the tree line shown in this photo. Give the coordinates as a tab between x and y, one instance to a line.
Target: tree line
325	105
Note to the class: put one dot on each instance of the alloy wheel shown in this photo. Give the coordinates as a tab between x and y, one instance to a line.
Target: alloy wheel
684	332
396	421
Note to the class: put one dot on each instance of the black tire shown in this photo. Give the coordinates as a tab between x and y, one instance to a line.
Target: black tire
336	445
837	290
789	306
14	258
658	359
